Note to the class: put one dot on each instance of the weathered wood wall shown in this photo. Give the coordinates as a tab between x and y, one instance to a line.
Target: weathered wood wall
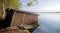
25	18
17	19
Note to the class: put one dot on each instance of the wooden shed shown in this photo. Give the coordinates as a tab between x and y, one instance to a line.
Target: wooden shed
24	17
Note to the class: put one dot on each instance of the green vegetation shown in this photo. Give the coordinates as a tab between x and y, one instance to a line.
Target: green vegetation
14	4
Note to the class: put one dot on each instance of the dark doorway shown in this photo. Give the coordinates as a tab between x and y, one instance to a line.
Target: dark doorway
7	21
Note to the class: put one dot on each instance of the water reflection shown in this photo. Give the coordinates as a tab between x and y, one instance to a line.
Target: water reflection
49	23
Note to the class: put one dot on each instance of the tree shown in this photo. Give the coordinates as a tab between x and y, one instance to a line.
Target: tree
14	4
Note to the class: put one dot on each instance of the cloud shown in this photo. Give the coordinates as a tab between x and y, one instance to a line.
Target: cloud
52	8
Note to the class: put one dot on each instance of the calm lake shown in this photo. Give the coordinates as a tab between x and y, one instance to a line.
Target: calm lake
49	23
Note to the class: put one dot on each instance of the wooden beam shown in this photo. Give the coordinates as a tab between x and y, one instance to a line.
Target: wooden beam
23	18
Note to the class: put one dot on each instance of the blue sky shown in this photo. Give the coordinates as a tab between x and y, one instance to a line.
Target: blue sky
43	6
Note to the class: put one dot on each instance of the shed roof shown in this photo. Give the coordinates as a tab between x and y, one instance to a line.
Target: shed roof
27	12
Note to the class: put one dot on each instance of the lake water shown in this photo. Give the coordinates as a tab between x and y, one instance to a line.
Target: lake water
49	23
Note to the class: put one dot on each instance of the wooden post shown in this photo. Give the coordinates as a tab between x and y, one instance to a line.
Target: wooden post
23	18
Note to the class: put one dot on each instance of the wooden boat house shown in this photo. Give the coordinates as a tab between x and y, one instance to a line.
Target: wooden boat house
23	17
19	18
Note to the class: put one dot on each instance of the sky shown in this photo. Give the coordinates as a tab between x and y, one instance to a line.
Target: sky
51	16
43	6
